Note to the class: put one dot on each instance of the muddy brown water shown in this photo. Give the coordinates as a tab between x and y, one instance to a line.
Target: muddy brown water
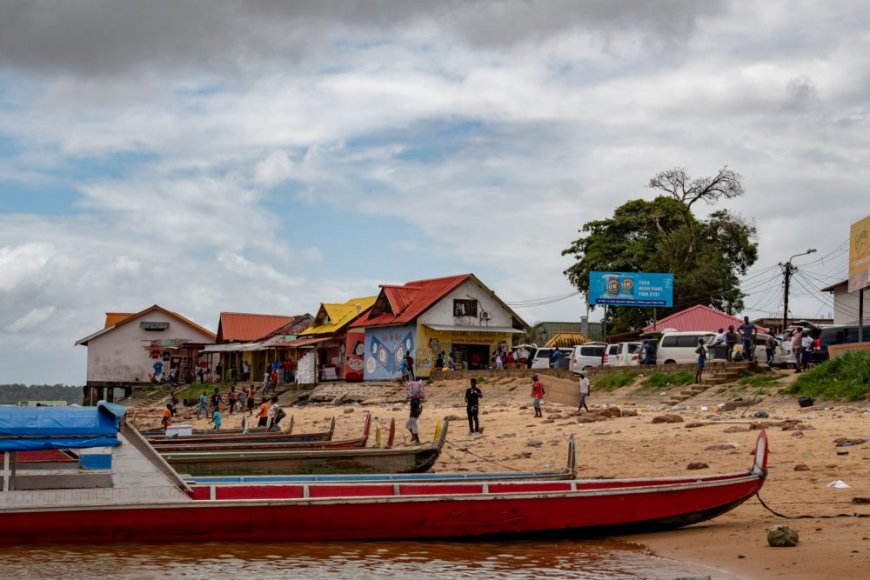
510	559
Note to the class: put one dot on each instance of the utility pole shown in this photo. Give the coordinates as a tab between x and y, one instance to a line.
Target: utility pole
787	270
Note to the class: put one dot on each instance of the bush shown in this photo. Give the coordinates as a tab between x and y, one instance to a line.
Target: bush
846	377
659	380
615	380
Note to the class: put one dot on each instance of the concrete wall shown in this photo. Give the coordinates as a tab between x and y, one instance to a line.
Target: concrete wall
120	355
442	312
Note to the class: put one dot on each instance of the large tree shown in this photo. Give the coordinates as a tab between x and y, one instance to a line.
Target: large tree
664	235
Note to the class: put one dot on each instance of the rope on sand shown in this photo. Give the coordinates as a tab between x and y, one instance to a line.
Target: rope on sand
776	513
465	450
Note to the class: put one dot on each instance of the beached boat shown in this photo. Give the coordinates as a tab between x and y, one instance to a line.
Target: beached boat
133	495
240	444
255	434
566	473
414	459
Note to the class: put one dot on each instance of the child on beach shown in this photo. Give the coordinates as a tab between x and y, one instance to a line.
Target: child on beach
537	395
584	392
702	358
216	417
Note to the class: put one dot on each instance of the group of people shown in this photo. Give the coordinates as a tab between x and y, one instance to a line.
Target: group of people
746	335
802	345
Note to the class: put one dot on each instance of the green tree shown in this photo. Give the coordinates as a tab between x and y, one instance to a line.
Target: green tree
664	235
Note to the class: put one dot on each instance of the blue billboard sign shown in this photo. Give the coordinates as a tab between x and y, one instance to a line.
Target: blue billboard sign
631	289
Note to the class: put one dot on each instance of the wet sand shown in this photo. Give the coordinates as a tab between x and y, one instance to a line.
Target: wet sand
632	446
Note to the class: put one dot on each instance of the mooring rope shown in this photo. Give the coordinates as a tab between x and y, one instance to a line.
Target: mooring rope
465	450
804	516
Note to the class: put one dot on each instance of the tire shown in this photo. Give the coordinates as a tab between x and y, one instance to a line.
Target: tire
670	362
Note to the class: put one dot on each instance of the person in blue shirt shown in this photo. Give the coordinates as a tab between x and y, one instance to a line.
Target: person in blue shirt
216	417
747	334
202	407
557	357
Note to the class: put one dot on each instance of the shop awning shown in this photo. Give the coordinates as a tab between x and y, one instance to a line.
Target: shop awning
302	342
233	347
488	329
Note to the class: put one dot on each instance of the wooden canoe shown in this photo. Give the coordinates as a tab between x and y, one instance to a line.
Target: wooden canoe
259	435
181	445
416	459
567	473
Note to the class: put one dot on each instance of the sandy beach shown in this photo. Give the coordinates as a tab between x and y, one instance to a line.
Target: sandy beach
631	445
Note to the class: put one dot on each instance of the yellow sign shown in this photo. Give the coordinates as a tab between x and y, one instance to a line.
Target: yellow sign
859	255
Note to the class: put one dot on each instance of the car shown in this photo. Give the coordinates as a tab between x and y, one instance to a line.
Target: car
679	347
611	353
586	356
828	335
629	353
544	356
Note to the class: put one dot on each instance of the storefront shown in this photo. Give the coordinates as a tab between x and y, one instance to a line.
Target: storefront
470	347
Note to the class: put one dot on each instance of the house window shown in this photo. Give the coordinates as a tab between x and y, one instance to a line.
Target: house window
145	325
465	308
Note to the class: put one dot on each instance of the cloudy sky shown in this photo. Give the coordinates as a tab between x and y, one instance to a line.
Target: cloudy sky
265	156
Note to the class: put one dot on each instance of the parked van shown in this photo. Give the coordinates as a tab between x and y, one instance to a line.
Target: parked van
587	356
611	353
629	353
543	356
679	347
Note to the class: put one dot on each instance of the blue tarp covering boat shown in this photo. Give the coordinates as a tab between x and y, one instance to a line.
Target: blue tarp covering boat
33	428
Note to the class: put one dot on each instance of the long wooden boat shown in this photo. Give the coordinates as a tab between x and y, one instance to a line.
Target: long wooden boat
181	445
254	435
567	473
146	501
416	459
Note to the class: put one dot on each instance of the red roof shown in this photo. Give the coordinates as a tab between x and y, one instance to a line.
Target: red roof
238	327
403	304
699	317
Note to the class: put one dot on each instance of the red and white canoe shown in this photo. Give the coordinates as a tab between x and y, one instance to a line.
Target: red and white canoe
165	509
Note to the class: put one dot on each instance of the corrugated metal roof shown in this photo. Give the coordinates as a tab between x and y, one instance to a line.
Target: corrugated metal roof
127	318
566	339
113	318
241	327
698	317
339	315
411	300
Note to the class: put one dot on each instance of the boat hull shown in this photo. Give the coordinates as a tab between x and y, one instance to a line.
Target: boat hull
405	460
427	511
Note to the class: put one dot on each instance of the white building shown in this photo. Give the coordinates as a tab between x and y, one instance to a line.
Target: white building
846	303
141	348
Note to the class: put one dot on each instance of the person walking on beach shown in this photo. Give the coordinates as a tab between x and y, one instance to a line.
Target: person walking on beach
796	337
537	395
251	392
243	401
415	410
216	417
584	392
806	349
701	351
166	420
202	407
218	373
276	413
232	398
473	395
263	417
409	365
215	399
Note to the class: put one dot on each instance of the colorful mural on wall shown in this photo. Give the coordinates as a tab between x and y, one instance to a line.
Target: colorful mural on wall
384	349
354	356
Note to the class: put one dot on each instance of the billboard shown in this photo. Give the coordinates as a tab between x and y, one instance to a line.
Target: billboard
859	255
631	289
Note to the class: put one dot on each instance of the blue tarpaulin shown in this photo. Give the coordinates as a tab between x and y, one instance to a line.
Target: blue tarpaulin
31	428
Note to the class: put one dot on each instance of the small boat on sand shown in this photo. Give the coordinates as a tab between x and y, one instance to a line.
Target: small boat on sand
125	492
254	435
566	473
412	459
240	444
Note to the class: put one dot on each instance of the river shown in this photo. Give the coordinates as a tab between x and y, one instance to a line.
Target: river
362	560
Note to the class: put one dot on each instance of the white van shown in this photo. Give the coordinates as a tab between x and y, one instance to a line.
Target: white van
544	355
587	356
679	347
629	353
611	354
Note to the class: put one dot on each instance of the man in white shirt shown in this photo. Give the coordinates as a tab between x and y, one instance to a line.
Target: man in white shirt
584	392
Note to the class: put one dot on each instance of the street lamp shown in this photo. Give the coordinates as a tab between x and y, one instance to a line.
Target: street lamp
787	270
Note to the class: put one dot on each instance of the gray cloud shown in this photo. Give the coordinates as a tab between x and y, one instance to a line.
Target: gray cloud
110	37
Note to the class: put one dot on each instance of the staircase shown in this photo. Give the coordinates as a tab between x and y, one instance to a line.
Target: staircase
723	373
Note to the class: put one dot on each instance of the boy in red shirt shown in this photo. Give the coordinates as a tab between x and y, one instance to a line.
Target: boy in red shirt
537	395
